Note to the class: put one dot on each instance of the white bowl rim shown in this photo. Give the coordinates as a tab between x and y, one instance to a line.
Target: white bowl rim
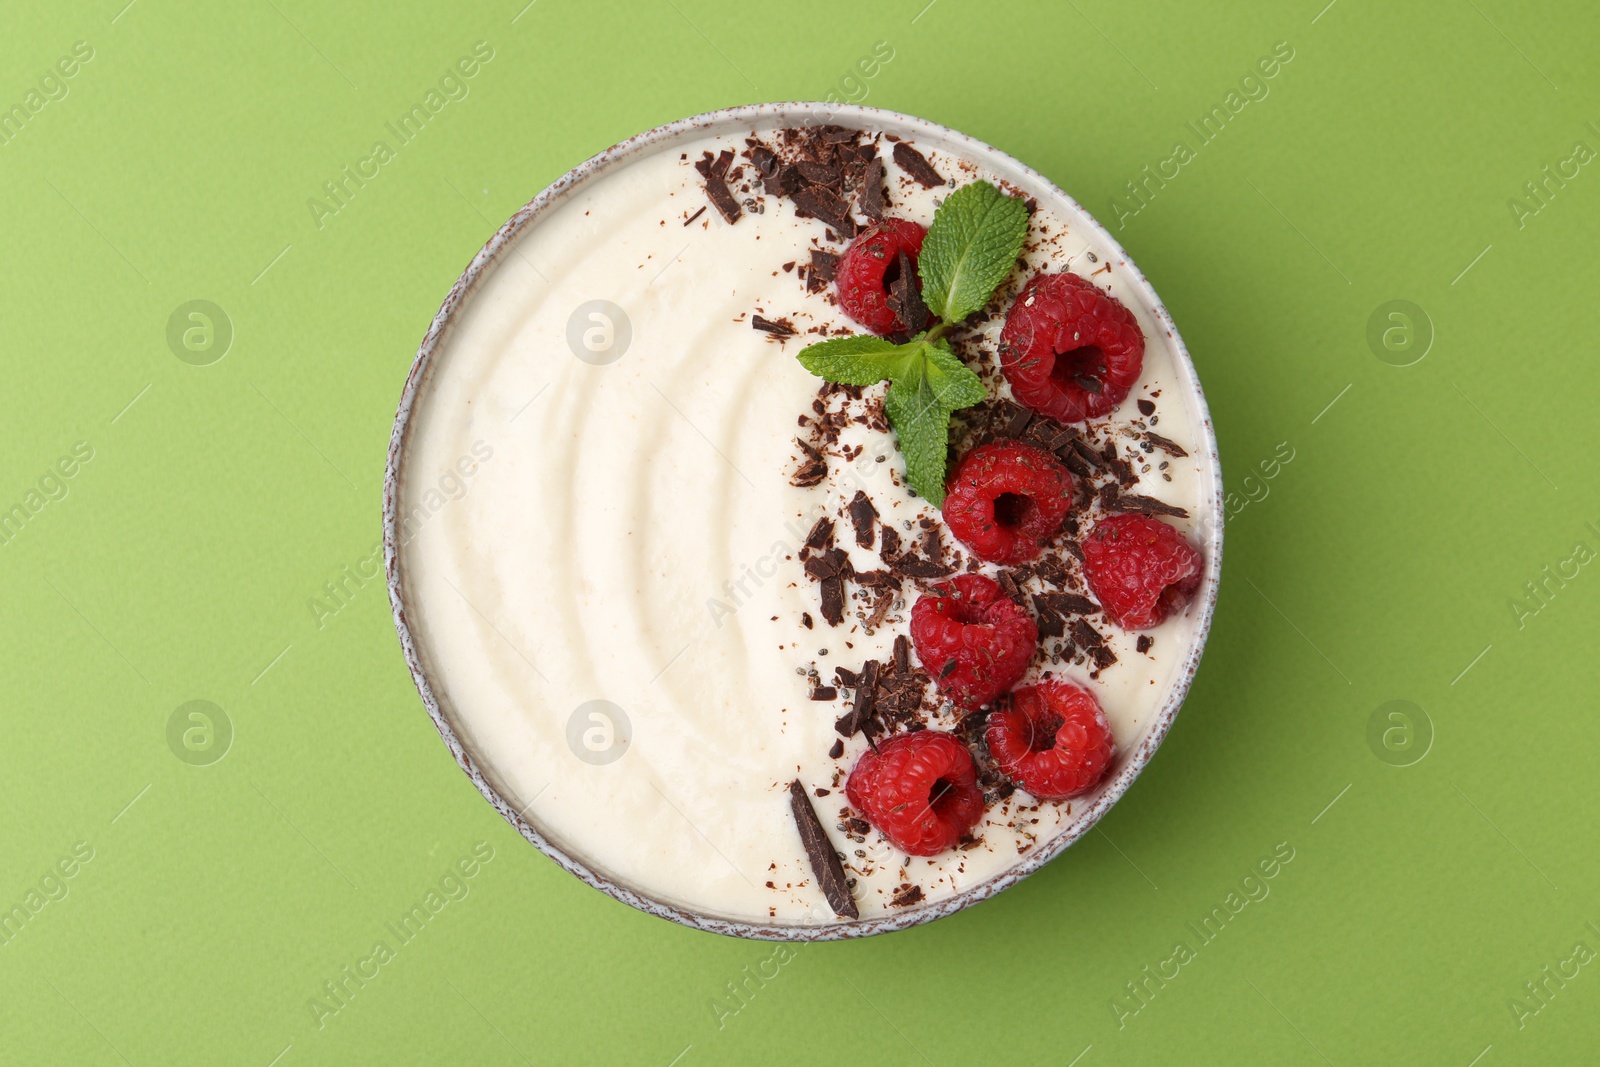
799	113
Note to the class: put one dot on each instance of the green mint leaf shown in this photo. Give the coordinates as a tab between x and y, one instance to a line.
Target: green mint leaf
923	427
927	381
860	359
934	384
953	381
971	246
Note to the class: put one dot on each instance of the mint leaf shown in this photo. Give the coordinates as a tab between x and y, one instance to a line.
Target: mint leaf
935	384
859	359
953	381
971	246
922	425
927	382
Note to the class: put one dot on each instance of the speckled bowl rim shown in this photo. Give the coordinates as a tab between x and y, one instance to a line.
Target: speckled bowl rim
798	114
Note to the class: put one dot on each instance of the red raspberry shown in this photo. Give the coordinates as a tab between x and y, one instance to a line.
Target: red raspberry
919	789
1053	740
1005	498
1140	569
870	265
972	638
1070	351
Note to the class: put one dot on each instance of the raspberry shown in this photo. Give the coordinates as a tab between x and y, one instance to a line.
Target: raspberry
919	789
870	265
1053	740
1070	351
973	638
1005	498
1140	569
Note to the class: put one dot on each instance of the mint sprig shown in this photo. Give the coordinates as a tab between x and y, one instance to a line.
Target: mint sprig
971	246
927	383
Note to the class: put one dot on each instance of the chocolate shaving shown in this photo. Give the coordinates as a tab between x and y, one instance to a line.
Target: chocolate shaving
824	265
1051	570
880	608
836	749
906	895
1170	447
1085	635
1050	623
824	692
825	865
912	567
785	181
1144	643
1008	586
864	517
1145	505
1075	463
714	168
1069	603
696	215
846	677
721	199
902	654
1090	456
821	535
820	173
891	543
870	197
916	165
1015	420
715	171
815	202
833	600
851	722
905	298
829	563
1147	408
776	327
813	468
766	162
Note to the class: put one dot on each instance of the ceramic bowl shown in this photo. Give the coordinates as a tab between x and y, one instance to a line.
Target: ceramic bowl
1132	757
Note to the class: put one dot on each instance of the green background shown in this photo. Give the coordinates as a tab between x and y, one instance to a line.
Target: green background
1380	564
